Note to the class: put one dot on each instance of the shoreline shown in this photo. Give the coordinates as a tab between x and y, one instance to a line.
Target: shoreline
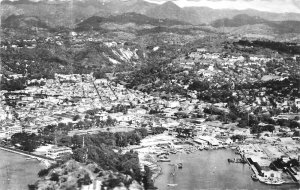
154	177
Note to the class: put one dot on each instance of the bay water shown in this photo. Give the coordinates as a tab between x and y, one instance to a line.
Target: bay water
209	169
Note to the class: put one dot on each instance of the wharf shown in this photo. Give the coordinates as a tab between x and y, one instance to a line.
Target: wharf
253	168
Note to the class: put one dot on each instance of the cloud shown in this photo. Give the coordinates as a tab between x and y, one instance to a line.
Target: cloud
279	6
296	3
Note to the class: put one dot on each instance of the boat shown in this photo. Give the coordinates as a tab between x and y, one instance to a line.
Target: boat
273	181
164	160
270	182
230	160
254	177
278	182
172	184
179	165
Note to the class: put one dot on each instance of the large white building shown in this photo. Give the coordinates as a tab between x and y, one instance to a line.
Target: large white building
58	152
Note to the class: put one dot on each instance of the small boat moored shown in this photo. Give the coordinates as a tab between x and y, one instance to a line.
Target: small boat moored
164	160
172	184
254	177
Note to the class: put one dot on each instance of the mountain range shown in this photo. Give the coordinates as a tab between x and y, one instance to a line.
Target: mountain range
68	13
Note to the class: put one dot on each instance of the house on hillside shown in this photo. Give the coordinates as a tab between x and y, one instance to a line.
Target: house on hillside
297	102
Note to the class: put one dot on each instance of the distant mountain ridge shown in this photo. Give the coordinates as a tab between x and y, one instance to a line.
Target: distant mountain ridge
279	27
67	12
22	22
95	22
238	20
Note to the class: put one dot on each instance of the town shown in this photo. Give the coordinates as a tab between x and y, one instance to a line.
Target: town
95	96
73	105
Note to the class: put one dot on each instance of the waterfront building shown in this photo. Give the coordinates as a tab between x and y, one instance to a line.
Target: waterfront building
58	152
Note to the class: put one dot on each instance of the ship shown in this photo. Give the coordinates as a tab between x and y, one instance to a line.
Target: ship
179	165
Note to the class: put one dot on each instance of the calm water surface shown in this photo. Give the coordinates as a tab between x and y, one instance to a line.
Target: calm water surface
16	172
209	170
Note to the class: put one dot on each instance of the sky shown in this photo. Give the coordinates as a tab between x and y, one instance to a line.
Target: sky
278	6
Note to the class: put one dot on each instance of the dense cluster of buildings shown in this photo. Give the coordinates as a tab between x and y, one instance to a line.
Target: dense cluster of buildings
76	99
247	78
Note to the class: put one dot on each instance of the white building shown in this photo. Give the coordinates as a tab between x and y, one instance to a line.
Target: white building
58	152
297	102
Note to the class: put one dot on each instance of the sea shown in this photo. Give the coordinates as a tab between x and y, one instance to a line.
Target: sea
16	172
209	169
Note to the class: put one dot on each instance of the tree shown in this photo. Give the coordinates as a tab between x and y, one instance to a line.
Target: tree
110	121
238	137
158	130
121	140
54	177
293	162
28	142
86	180
270	128
148	182
76	117
65	141
243	123
130	165
199	86
296	134
294	109
294	124
43	172
79	154
143	131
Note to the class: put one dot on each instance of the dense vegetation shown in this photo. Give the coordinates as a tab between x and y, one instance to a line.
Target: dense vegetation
281	47
25	141
101	148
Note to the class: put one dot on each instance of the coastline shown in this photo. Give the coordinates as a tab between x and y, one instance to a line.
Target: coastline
157	174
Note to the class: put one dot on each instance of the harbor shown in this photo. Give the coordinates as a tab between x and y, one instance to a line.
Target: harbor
186	163
209	169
